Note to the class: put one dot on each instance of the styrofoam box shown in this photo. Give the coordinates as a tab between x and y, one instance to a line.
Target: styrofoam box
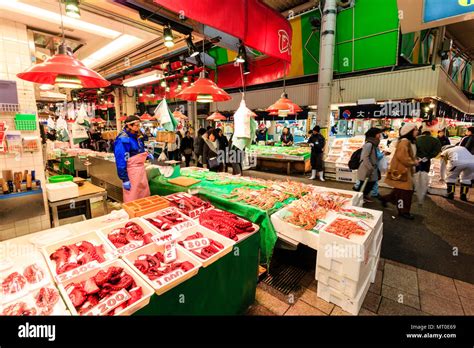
92	237
151	249
228	243
377	242
147	290
309	238
354	201
187	223
345	174
131	246
345	257
62	190
345	286
348	304
376	260
374	222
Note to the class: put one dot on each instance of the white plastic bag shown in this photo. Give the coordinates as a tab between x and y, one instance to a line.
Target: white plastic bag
383	165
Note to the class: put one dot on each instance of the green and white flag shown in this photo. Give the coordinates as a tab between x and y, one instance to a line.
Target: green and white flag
165	117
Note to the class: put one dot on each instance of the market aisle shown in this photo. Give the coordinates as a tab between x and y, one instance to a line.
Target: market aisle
439	240
399	289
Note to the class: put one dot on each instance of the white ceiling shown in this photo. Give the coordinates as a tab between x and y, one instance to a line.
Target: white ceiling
95	31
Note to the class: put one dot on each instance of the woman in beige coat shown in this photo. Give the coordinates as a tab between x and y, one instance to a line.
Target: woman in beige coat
400	172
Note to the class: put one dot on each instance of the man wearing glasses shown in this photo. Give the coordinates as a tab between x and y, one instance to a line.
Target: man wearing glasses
130	157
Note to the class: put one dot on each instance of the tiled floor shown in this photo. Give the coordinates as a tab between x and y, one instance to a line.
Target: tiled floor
398	290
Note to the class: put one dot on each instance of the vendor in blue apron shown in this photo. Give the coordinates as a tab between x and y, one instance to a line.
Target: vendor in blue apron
130	157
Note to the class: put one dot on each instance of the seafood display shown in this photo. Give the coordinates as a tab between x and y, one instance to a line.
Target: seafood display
20	308
206	252
190	205
74	255
13	283
264	199
42	302
131	232
87	294
33	274
227	224
345	228
167	219
357	214
46	299
305	214
154	266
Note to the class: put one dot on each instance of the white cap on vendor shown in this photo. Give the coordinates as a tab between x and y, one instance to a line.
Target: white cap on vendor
132	119
407	128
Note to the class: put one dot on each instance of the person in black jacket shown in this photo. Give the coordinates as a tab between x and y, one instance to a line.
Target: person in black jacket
286	137
210	150
468	140
187	147
317	143
223	147
443	139
198	144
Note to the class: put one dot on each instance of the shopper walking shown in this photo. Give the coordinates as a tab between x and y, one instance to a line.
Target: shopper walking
130	157
468	140
368	172
443	139
210	151
458	162
427	147
400	171
198	144
187	147
286	137
317	143
223	147
381	166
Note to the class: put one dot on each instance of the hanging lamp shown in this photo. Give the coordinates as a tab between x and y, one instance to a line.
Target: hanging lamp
63	70
216	116
203	91
147	117
97	120
123	118
284	106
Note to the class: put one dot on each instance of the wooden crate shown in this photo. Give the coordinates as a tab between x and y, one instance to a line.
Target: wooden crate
145	206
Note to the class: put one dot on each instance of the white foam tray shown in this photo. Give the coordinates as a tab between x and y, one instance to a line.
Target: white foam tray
228	243
187	223
147	290
151	249
92	237
130	246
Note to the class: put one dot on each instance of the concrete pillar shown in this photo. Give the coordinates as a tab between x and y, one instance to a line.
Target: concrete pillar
325	77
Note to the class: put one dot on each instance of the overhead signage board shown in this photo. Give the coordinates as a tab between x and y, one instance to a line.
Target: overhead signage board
434	10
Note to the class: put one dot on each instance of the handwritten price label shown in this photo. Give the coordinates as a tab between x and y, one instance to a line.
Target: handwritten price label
77	271
163	238
167	278
196	243
184	225
196	212
170	251
109	303
129	247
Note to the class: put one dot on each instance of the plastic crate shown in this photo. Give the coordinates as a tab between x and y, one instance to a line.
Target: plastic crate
25	122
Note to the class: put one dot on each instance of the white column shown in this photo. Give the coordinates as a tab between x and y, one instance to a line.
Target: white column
325	77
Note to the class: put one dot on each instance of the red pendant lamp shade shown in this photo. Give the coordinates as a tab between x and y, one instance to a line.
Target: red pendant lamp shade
284	106
123	118
179	115
65	70
97	120
147	117
217	116
204	91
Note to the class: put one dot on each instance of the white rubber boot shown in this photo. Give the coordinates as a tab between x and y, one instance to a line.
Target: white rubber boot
321	176
313	175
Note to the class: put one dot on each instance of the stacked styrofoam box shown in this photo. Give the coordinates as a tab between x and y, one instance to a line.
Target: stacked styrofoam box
345	174
62	190
346	267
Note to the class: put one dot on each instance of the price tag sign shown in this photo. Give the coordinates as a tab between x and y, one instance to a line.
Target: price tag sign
129	247
167	278
184	225
364	225
320	224
161	239
196	212
63	277
170	251
109	303
196	243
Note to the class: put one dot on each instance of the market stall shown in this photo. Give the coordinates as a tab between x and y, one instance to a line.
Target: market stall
282	158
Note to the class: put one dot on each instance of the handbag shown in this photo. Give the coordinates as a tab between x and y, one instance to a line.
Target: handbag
188	151
213	163
396	175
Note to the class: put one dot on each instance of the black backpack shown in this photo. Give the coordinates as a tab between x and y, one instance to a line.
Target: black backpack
354	162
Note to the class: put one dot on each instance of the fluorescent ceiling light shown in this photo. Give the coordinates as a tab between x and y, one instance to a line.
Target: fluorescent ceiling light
124	42
142	79
53	17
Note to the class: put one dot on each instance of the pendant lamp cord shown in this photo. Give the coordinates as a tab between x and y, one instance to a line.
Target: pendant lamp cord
284	79
62	24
